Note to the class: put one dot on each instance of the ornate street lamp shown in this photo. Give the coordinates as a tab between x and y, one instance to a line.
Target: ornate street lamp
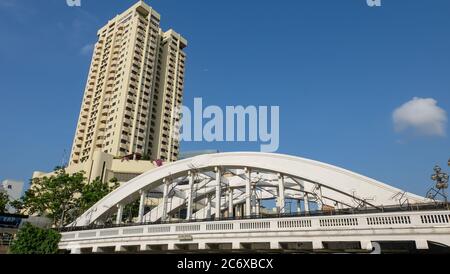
441	180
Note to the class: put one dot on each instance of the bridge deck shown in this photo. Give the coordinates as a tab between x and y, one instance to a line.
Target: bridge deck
284	232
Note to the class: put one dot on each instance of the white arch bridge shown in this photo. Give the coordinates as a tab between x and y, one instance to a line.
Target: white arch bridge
221	201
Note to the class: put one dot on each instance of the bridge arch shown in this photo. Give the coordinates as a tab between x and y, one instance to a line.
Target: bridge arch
224	184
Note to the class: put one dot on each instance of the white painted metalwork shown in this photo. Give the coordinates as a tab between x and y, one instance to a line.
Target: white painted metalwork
420	227
218	184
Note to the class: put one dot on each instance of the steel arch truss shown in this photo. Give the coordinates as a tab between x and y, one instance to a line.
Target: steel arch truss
229	184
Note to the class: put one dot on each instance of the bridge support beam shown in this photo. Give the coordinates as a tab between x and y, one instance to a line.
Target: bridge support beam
75	251
317	244
299	207
422	244
142	206
171	246
274	245
366	245
218	192
253	198
143	247
320	198
239	210
248	193
230	202
208	207
235	245
306	203
119	214
164	200
190	194
258	207
281	201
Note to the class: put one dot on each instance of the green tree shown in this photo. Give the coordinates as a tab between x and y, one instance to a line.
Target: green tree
131	210
35	240
146	157
4	201
63	197
17	204
93	192
55	196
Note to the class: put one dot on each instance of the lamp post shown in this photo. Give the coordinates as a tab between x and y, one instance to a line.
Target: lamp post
441	179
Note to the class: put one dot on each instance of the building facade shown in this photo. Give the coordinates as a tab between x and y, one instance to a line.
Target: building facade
133	91
14	189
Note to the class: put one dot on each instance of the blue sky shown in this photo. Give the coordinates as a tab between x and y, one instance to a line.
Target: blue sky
337	69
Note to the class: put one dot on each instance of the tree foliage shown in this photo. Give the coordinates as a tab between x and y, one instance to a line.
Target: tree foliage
4	201
131	210
54	196
63	197
93	192
34	240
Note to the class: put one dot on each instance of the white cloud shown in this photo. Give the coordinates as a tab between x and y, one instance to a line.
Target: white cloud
87	49
422	116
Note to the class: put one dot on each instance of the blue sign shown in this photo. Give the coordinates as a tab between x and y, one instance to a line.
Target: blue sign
11	221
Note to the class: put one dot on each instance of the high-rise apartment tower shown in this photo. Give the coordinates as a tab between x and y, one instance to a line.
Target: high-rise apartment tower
133	91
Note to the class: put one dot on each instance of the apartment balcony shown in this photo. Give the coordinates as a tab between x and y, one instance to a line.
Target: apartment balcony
78	141
166	140
127	112
130	105
141	135
127	121
133	91
124	146
137	64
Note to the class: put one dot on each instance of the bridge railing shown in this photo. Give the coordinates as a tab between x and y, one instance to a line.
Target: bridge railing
346	224
317	213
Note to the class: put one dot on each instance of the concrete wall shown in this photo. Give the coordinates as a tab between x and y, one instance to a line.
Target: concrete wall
14	189
104	165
